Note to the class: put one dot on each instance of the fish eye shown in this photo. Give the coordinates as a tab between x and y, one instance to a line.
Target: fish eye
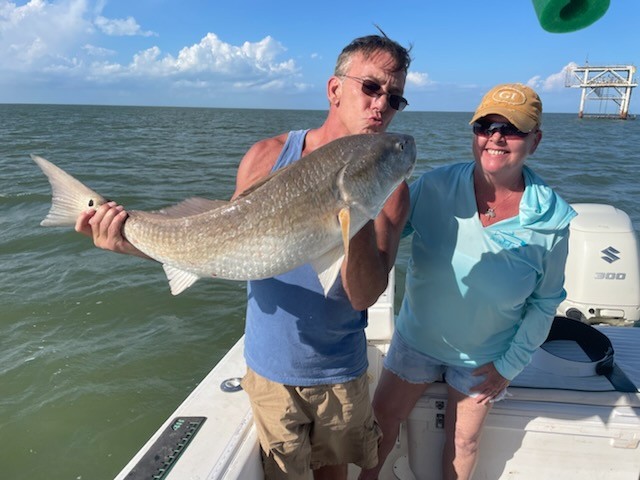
91	202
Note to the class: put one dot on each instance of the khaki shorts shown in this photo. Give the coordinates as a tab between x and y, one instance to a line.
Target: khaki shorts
305	428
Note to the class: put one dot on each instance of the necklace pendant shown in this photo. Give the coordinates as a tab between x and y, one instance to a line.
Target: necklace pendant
490	213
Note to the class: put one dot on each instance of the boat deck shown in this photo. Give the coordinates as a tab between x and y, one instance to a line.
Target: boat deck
581	432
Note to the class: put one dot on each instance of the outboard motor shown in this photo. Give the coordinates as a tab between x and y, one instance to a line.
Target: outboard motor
602	276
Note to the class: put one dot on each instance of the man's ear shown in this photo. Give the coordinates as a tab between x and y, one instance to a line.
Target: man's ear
334	90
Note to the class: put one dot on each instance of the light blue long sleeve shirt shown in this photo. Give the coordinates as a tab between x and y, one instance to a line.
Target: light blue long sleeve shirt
478	294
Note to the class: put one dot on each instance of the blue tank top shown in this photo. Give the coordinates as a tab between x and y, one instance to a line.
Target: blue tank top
293	334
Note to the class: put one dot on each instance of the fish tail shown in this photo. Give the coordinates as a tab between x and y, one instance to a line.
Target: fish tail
69	196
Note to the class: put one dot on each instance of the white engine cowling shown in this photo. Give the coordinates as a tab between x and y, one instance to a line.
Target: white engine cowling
602	276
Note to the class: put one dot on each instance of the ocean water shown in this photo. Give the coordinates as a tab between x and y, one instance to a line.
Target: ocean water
94	351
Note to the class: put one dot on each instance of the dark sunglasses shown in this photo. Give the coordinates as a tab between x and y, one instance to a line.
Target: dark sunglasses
486	129
372	89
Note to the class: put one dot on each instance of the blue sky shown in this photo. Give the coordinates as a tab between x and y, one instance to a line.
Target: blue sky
279	54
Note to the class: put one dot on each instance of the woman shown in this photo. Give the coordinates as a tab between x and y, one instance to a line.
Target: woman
483	282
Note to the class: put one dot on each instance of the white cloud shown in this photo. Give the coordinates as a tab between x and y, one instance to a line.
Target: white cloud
94	51
555	81
211	63
63	38
40	33
104	72
213	57
65	46
117	27
418	79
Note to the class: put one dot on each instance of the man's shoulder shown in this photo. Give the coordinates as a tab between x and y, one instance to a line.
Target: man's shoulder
258	162
268	148
264	153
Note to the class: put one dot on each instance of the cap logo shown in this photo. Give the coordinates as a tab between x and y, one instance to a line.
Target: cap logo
510	95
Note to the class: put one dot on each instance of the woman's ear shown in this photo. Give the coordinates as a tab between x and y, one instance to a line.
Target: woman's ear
536	142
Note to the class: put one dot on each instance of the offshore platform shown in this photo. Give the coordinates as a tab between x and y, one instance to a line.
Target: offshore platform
609	85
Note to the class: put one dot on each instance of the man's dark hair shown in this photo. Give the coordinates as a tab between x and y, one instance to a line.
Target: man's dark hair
370	44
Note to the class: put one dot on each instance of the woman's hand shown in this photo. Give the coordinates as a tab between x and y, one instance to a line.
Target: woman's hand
493	385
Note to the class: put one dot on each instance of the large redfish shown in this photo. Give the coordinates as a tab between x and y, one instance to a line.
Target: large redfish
304	213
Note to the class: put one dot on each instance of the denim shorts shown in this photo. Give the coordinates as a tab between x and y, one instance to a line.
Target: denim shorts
415	367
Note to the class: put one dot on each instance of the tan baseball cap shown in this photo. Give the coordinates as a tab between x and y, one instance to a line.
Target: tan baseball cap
516	102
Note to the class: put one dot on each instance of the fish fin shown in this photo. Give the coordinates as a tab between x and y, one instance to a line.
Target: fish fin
344	217
191	206
264	180
179	280
344	194
70	197
328	267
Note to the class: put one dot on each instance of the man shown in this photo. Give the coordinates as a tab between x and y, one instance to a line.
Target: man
306	353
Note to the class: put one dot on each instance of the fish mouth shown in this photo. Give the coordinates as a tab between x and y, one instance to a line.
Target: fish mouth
409	171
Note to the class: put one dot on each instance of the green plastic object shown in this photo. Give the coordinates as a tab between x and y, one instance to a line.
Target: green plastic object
562	16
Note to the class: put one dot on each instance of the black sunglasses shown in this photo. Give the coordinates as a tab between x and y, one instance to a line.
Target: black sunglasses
486	129
372	89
